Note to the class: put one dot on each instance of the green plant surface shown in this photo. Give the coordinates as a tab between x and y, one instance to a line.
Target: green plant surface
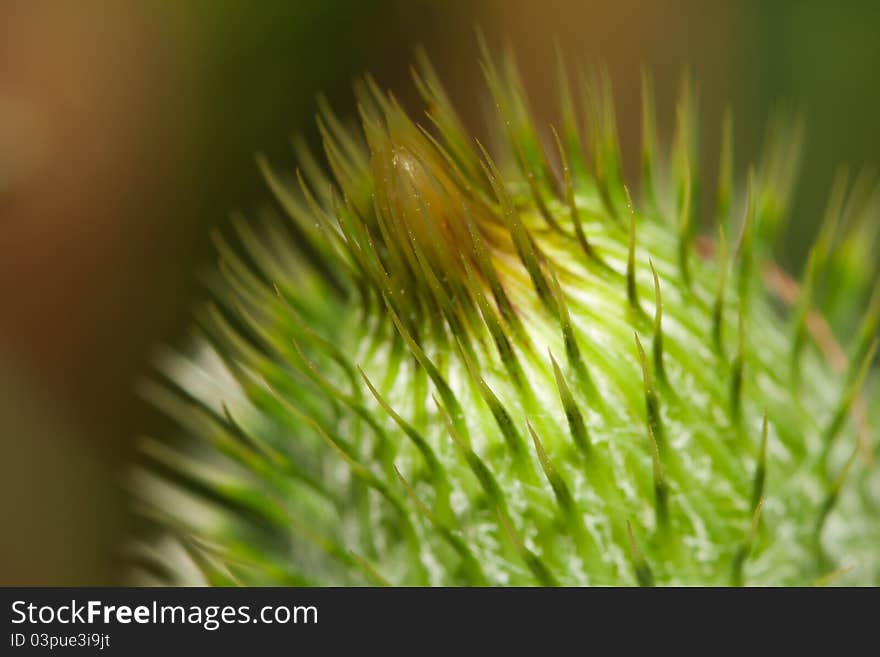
453	365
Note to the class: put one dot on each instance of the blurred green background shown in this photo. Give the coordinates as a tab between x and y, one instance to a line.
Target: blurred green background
128	129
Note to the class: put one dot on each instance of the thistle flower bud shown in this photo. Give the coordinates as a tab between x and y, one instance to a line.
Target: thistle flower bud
468	369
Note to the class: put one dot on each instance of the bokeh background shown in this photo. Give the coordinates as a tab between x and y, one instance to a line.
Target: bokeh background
129	129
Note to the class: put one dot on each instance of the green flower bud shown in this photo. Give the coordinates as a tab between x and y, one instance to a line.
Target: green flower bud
451	367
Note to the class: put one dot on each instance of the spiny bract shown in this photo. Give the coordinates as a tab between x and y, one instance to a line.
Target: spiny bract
451	367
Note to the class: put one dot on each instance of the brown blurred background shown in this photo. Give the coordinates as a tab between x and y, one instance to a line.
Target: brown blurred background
127	129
